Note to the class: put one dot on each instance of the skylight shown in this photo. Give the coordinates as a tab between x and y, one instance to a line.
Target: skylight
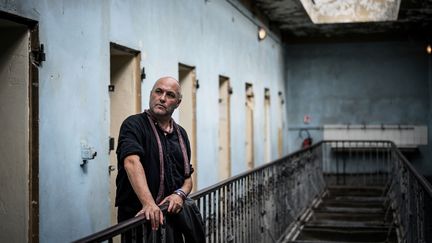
349	11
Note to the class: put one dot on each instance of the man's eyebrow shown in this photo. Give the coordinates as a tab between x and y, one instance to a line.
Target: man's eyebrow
166	90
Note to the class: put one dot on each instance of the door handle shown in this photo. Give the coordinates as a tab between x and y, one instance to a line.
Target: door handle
111	168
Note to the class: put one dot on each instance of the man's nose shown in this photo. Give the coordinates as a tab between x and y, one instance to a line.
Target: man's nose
162	97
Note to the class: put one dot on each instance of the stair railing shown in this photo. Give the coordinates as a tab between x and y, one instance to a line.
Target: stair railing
264	204
411	198
255	206
369	163
259	205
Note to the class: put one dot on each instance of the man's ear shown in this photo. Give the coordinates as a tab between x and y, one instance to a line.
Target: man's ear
178	103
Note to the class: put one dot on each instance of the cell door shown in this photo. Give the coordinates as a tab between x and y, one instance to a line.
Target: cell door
281	123
249	126
19	145
224	129
267	137
187	111
125	100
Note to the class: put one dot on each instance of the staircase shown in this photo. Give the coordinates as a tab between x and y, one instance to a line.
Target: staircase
349	214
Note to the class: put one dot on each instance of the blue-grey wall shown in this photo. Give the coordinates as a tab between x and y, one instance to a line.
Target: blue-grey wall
356	83
213	36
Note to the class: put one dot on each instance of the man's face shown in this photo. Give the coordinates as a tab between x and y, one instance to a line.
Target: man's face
165	97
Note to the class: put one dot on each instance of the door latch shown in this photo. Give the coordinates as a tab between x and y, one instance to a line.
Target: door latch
111	168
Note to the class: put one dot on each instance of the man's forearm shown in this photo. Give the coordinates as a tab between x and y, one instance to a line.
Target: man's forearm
137	178
187	185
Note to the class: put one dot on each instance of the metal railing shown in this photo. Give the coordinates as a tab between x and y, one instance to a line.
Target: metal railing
132	230
273	200
411	198
381	163
257	206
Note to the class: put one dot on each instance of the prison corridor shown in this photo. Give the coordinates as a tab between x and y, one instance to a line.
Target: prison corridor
330	192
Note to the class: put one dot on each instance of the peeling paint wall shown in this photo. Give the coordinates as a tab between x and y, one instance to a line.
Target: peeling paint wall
213	36
359	83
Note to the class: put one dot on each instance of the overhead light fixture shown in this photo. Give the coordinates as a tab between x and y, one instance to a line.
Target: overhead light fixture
262	33
429	49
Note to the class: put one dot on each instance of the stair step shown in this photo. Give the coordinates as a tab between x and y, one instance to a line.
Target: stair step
347	234
344	223
323	215
355	191
351	204
366	199
350	210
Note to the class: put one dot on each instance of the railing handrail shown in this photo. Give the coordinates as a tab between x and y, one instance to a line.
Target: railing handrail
427	186
419	177
261	167
114	230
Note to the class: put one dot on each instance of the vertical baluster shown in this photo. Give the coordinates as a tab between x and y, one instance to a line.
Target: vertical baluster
387	164
239	213
337	164
246	206
215	215
346	159
276	199
205	217
211	216
242	213
239	210
220	213
374	152
233	212
236	213
229	214
258	206
244	200
250	206
377	165
224	216
254	204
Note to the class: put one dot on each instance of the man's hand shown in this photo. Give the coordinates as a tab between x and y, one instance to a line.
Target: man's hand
153	213
175	203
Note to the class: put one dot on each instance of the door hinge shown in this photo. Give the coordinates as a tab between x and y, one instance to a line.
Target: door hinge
111	144
143	74
111	88
38	56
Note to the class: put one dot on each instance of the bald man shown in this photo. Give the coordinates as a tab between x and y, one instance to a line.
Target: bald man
154	167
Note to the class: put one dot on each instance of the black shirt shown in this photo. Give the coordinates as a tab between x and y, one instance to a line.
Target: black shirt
137	138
